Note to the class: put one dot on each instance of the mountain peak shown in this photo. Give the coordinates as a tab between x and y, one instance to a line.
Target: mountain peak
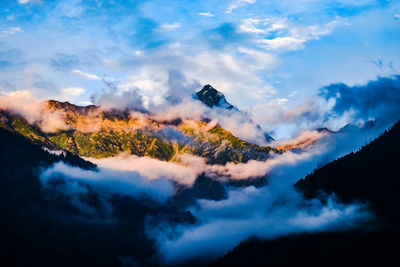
213	98
68	107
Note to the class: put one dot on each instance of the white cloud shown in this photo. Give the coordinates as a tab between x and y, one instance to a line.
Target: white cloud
12	30
263	26
278	34
254	168
356	2
34	110
86	75
235	4
258	59
267	212
215	67
184	173
111	181
169	27
23	2
73	91
207	67
86	103
71	9
225	225
283	43
206	14
293	93
20	94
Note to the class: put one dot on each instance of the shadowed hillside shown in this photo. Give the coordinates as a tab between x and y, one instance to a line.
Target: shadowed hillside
40	227
370	176
90	131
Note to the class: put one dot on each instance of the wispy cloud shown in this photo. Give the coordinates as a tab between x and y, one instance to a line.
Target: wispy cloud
268	212
206	14
139	47
237	3
169	27
23	103
283	43
86	75
286	35
12	30
184	173
108	181
73	91
23	2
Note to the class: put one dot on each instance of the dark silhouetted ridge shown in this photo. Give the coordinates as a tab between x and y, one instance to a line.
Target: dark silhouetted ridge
16	149
40	226
372	176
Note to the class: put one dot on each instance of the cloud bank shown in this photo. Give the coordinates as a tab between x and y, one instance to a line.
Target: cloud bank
376	100
107	182
23	103
184	173
266	212
337	105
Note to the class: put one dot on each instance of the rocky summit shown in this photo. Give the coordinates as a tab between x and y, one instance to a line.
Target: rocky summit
93	132
213	98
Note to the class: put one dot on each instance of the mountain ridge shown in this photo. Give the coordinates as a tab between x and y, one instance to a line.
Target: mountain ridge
369	176
92	132
211	97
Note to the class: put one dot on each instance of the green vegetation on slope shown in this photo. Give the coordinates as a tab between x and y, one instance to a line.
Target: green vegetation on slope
99	134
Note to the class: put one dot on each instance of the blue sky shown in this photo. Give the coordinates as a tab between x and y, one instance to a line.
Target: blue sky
261	54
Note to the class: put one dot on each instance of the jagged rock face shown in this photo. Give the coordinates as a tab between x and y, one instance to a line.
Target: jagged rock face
93	132
213	98
68	107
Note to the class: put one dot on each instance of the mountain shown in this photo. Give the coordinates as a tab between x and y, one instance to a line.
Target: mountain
213	98
305	141
370	176
41	226
333	249
93	132
360	127
15	146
